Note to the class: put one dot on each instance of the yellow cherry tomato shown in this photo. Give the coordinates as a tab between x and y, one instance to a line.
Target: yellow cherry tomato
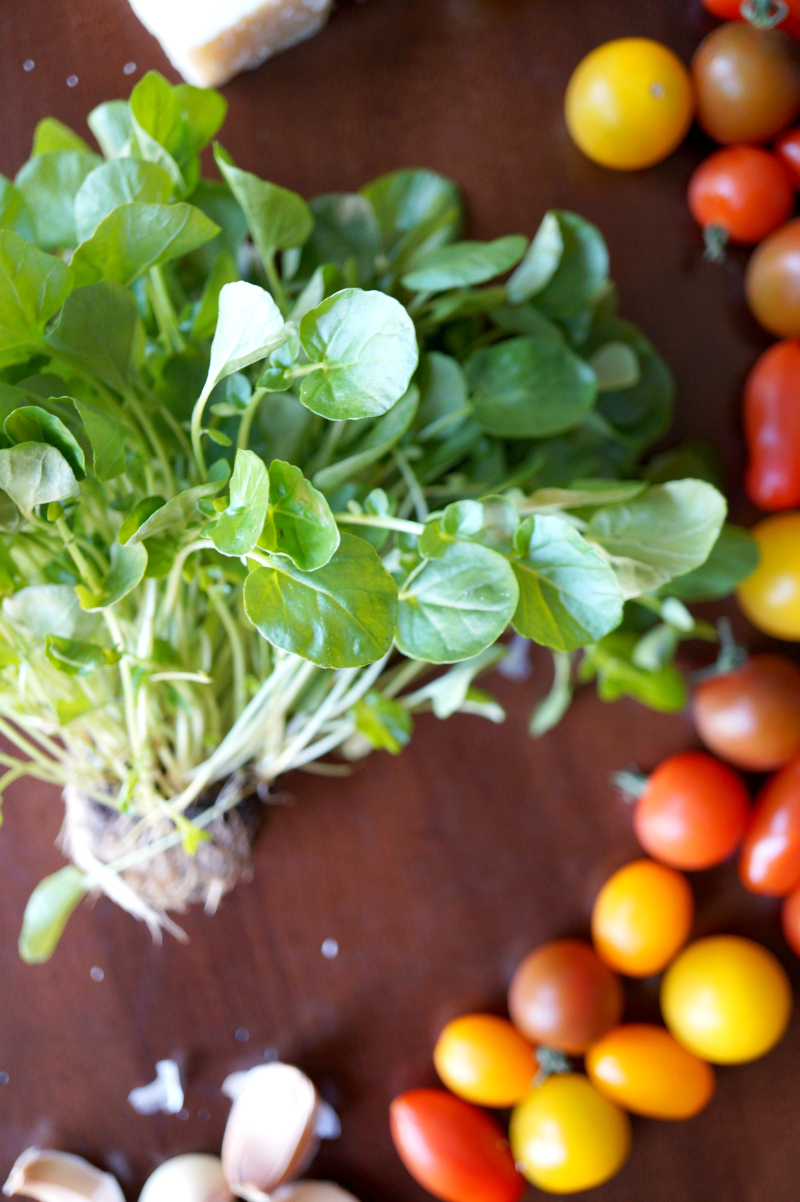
485	1060
642	916
770	597
565	1136
629	103
642	1068
726	999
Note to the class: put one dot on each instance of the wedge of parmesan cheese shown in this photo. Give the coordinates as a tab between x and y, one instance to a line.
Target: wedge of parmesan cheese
209	41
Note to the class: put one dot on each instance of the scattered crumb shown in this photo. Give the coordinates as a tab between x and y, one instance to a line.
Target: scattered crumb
330	949
241	1034
72	81
28	65
129	68
4	1078
96	973
204	1115
270	1054
183	1115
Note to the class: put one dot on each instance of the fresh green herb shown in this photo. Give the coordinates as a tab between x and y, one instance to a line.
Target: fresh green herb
265	463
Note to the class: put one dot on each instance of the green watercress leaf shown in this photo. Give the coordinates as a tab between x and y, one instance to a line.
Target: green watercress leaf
238	528
568	594
33	286
277	217
49	184
97	332
540	262
462	264
250	326
416	210
341	616
77	658
47	913
135	237
385	723
31	423
611	661
444	395
178	511
53	609
107	436
665	532
128	566
122	181
345	228
111	124
51	135
14	212
453	607
582	271
529	387
299	522
366	348
33	473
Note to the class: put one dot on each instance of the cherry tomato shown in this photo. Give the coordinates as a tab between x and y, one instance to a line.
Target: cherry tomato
693	811
726	999
787	148
485	1060
770	597
751	716
629	103
770	860
643	1069
772	282
740	194
747	83
563	996
642	916
790	921
772	427
566	1136
455	1151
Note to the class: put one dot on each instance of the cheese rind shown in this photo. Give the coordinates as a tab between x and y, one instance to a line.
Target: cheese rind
209	41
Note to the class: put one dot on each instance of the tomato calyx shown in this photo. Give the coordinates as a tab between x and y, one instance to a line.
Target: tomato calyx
715	239
730	657
551	1063
764	14
630	784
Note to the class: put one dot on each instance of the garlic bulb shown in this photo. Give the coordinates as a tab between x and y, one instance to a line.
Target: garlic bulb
312	1191
59	1177
271	1133
192	1178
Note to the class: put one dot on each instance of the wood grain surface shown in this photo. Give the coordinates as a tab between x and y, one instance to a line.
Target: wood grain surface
435	872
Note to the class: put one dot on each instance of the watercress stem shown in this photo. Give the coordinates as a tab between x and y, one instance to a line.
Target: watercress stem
275	285
247	418
382	522
164	311
88	574
412	483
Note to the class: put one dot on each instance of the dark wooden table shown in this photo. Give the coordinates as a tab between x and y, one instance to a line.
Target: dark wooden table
437	871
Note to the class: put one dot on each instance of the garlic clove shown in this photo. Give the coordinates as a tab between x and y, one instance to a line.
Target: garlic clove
59	1177
312	1191
271	1133
191	1178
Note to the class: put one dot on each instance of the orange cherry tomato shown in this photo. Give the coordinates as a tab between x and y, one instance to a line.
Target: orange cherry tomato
772	427
790	921
751	716
563	996
772	282
693	811
740	194
455	1151
787	148
484	1059
643	1069
642	917
747	83
770	860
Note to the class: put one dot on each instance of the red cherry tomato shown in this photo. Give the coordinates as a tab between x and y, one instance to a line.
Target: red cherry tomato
751	716
770	861
790	921
455	1151
743	192
731	10
693	811
772	427
562	995
787	148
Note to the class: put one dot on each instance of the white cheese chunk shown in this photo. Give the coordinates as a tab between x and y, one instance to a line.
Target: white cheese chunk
209	41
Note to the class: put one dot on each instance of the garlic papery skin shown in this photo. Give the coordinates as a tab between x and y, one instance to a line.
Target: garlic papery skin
59	1177
191	1178
271	1133
312	1191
